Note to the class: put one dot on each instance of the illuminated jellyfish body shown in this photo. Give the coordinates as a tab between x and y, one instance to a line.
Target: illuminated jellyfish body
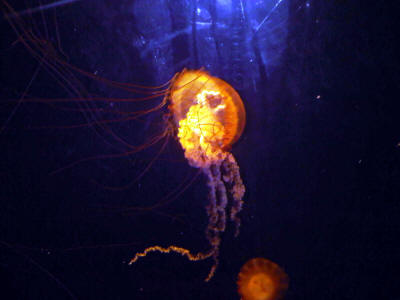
261	279
210	117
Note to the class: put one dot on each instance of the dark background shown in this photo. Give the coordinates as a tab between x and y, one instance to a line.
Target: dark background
319	156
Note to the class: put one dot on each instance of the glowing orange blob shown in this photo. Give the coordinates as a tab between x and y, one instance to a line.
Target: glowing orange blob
261	279
209	115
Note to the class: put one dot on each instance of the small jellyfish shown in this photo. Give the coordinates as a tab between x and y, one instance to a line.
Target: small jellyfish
261	279
209	116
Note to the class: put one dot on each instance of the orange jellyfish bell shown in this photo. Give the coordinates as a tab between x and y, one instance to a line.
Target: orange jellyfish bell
261	279
209	114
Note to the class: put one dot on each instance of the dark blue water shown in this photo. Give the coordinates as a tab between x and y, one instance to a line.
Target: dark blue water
319	155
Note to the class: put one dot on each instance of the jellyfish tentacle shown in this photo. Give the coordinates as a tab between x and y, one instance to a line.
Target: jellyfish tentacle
169	249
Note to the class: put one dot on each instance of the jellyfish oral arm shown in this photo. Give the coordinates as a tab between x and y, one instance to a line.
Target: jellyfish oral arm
218	176
232	178
216	209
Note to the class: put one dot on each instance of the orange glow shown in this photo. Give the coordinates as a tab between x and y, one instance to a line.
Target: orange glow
261	279
209	117
209	114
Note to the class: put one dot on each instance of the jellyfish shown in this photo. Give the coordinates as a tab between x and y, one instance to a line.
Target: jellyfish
206	115
209	116
261	279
